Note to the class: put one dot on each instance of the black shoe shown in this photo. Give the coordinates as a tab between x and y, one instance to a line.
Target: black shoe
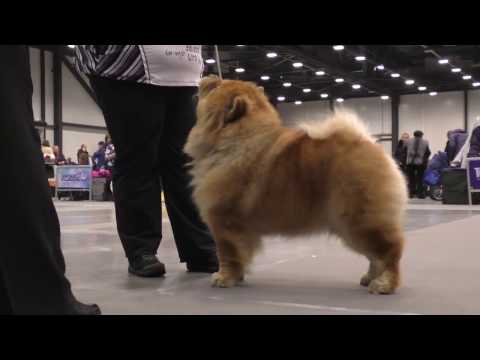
147	266
203	266
86	309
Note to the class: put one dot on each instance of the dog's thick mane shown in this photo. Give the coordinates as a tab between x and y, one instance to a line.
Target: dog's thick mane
341	122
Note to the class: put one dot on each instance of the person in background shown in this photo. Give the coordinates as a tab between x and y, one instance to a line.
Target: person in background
70	162
48	154
83	157
146	93
418	153
98	158
32	266
471	148
109	153
401	152
59	158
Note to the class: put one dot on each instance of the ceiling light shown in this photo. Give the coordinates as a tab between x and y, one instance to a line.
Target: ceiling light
71	46
379	67
443	61
320	73
272	55
338	47
297	64
298	102
239	70
395	75
324	96
307	90
422	88
456	70
339	80
265	77
210	61
384	97
281	98
360	58
466	77
240	45
287	84
410	82
356	86
476	84
340	100
433	93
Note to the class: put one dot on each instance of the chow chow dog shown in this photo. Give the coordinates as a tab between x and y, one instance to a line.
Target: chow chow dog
253	177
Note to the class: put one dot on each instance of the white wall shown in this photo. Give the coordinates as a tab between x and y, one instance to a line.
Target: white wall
473	107
308	111
35	72
434	115
78	106
73	138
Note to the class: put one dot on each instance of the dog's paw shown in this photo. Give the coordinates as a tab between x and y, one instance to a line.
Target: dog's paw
380	286
365	280
220	280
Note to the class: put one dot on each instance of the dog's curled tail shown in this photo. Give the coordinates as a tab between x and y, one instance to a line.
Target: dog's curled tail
341	122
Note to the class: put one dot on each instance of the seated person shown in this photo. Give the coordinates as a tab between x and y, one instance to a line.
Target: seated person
59	158
47	151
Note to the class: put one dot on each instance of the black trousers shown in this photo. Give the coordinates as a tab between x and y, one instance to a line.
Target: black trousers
415	179
32	267
149	126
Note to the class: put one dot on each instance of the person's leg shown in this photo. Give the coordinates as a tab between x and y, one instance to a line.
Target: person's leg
194	242
411	180
134	114
31	261
420	186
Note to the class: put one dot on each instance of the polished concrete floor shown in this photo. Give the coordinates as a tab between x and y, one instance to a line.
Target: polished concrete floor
315	275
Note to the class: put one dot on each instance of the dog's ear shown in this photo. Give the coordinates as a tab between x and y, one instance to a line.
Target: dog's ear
207	84
238	109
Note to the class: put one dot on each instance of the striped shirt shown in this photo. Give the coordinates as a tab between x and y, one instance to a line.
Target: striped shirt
163	65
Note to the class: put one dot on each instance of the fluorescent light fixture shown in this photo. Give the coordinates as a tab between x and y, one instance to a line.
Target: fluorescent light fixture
476	84
272	55
339	80
422	88
409	82
356	86
297	64
239	70
210	61
360	58
320	73
340	100
395	75
338	47
298	102
71	46
466	77
443	61
433	93
324	96
380	67
265	77
384	97
456	70
240	45
287	84
281	98
307	90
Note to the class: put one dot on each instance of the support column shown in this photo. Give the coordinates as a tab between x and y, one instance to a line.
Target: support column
331	102
395	124
465	109
57	101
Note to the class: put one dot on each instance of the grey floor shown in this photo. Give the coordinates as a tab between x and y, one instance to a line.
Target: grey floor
314	275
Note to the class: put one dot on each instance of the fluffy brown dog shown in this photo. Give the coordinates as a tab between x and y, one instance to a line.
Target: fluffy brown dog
254	177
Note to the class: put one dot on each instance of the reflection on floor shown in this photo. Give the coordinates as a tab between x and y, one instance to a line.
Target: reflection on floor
315	275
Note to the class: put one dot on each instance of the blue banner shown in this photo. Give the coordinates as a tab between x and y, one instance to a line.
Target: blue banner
474	173
74	177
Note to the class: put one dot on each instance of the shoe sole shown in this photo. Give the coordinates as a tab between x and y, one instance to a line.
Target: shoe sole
157	270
